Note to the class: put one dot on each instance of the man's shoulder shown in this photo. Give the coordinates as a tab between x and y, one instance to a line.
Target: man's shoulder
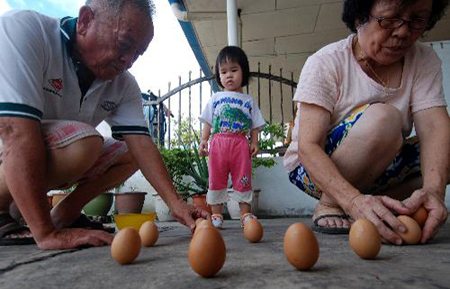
125	84
25	16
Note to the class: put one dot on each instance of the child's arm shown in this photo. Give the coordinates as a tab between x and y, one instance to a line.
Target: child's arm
254	149
206	132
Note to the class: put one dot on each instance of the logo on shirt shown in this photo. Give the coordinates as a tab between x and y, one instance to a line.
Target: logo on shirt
56	83
56	86
109	105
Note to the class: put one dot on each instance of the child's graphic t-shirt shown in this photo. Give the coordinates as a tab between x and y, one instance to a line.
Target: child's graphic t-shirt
232	112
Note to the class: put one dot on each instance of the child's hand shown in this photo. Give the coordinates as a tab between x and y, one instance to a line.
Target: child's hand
203	148
254	149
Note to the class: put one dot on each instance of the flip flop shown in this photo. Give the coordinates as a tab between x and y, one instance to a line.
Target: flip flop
84	222
9	226
329	230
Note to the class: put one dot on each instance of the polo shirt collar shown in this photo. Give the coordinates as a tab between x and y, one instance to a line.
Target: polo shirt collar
68	28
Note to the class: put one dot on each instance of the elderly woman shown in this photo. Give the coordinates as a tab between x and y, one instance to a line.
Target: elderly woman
358	100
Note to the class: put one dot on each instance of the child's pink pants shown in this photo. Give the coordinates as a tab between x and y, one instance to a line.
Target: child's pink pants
230	153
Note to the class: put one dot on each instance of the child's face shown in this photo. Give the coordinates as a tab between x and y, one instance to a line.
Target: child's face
231	76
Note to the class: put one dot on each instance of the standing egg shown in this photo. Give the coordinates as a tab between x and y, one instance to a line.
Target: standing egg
420	216
365	239
413	232
207	251
126	246
300	246
198	221
253	231
202	223
149	233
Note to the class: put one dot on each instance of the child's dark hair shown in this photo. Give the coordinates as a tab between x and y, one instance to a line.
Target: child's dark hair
233	54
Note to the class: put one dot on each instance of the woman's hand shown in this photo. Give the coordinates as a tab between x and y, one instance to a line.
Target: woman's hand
435	206
377	209
203	148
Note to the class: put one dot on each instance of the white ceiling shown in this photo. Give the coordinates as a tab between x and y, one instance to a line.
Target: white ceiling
281	32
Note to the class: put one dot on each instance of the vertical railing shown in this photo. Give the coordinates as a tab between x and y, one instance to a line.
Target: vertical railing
264	97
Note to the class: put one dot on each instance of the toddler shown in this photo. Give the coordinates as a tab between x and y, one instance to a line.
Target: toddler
231	117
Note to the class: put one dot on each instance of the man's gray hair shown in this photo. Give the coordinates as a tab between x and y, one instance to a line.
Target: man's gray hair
115	6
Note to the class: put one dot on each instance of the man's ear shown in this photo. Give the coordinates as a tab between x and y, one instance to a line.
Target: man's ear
85	18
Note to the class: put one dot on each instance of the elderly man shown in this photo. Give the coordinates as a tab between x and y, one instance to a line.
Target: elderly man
60	79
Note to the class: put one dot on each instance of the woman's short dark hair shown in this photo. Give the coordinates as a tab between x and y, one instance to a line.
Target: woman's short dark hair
233	54
357	10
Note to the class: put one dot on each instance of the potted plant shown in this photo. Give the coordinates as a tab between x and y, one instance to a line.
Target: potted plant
100	205
58	196
129	200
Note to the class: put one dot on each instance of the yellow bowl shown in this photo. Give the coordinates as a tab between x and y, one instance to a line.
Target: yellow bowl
133	220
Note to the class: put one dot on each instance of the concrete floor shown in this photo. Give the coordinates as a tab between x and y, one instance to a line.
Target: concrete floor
260	265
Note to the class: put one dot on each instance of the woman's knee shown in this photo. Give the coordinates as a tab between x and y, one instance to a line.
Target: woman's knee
386	122
386	117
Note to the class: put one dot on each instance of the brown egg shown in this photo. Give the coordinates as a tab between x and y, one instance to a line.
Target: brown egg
253	231
149	233
365	239
207	251
198	221
420	216
202	223
300	246
413	231
126	246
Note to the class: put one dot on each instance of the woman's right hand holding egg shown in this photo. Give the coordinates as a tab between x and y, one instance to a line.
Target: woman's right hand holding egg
377	209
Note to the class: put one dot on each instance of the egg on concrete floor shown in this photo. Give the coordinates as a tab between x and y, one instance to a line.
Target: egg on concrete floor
364	239
420	216
149	233
253	231
207	251
300	246
413	232
126	246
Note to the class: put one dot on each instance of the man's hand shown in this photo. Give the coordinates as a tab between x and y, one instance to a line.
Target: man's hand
437	212
203	148
187	214
73	238
377	209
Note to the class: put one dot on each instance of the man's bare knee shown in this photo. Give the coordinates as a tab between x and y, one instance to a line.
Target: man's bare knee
71	162
127	158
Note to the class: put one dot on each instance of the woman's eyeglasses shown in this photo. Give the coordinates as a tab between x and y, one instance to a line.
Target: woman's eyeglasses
394	23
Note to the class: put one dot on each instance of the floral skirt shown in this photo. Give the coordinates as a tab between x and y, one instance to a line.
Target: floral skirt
405	164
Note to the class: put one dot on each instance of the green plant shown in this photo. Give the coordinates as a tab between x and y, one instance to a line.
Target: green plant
270	134
188	170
